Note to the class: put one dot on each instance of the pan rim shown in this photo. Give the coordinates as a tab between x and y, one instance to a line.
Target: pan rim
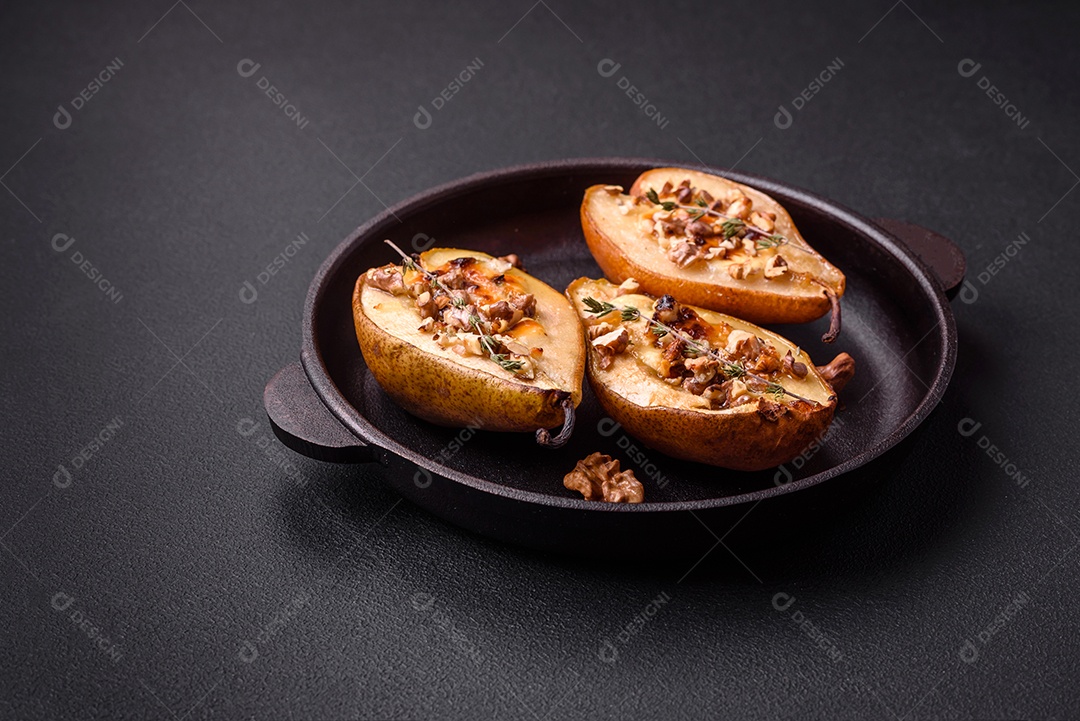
359	425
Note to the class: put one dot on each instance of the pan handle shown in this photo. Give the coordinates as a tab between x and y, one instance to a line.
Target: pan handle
303	423
942	255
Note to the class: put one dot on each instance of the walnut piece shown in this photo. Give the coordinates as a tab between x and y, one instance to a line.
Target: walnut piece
610	345
775	266
685	253
597	477
628	287
764	220
387	278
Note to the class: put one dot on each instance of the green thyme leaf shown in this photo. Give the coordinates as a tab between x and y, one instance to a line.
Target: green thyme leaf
776	391
731	227
592	305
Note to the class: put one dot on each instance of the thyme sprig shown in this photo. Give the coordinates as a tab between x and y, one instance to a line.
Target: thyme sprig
487	342
731	368
409	263
731	225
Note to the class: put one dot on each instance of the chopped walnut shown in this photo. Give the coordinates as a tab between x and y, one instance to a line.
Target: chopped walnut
739	208
613	189
628	287
775	266
764	220
597	477
768	360
595	331
526	303
738	393
742	344
717	395
704	369
684	253
610	345
665	309
737	271
794	367
671	361
468	344
497	310
387	278
458	317
672	227
666	190
700	229
770	410
453	278
427	324
426	305
750	246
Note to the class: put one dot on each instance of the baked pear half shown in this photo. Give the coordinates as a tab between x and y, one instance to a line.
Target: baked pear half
702	386
461	338
711	242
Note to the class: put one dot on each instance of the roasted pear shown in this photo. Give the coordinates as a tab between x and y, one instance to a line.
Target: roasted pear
712	242
461	338
702	386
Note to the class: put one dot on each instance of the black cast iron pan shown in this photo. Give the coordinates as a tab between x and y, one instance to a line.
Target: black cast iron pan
897	325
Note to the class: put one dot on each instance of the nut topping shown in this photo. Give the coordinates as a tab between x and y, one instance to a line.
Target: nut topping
794	367
763	219
775	266
610	345
597	478
386	278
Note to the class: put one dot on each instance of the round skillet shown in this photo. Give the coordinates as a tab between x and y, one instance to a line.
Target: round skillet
897	325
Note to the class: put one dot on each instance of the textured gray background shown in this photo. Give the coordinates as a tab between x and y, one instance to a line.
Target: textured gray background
192	550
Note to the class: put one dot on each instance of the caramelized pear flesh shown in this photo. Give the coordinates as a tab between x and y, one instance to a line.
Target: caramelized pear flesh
700	385
460	338
713	243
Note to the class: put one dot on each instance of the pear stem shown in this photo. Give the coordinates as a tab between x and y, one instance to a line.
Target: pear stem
543	435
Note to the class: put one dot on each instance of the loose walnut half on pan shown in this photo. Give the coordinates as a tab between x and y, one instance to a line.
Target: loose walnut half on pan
597	477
